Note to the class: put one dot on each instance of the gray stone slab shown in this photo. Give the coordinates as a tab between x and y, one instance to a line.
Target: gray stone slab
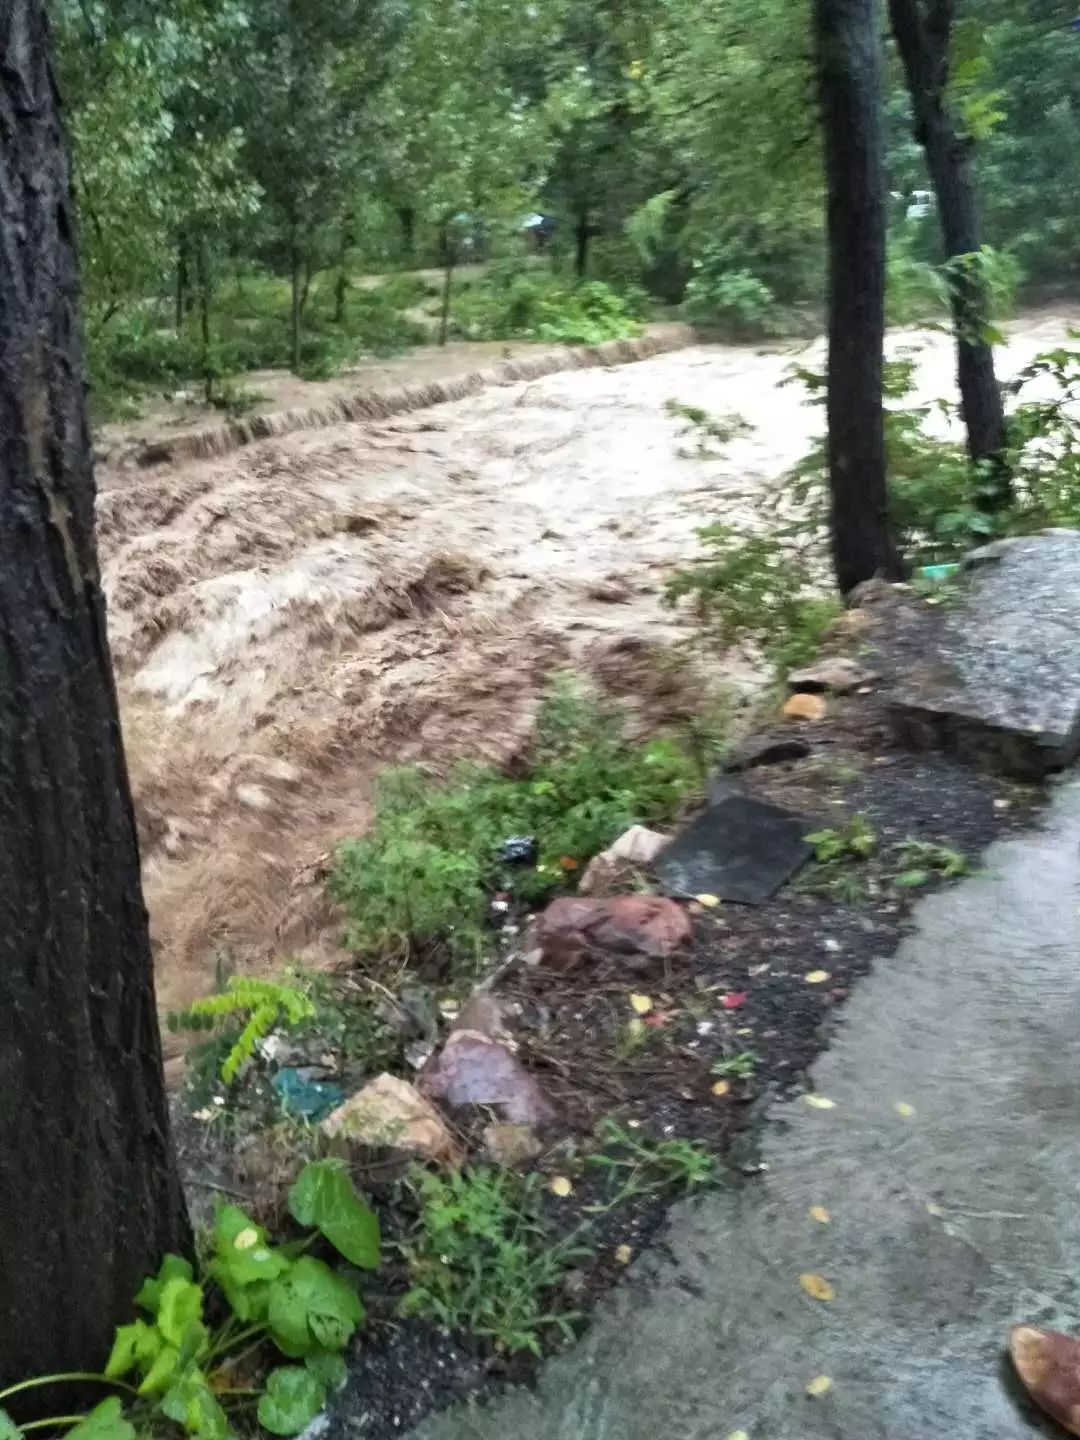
993	672
949	1222
739	849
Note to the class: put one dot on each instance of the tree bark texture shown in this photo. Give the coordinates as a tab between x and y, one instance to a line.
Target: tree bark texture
89	1194
849	69
923	34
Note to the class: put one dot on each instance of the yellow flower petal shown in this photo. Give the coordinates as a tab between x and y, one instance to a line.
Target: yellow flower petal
709	901
246	1239
641	1004
820	1102
561	1186
623	1254
820	1214
818	977
817	1287
903	1108
820	1385
721	1087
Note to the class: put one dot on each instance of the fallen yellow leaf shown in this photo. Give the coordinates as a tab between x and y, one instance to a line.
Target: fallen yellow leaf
721	1087
903	1108
641	1004
745	1030
738	1435
709	901
818	977
820	1102
933	1209
820	1214
817	1287
820	1385
246	1239
623	1254
560	1185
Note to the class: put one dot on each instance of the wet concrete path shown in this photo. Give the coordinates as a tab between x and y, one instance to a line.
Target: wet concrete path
949	1164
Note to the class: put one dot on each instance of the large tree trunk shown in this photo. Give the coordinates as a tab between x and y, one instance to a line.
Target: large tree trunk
849	67
923	38
89	1195
407	220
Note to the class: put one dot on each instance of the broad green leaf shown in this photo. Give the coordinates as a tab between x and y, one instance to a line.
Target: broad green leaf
243	1250
293	1398
172	1268
192	1404
247	1302
105	1422
312	1309
159	1377
324	1196
912	879
8	1429
181	1305
136	1344
330	1369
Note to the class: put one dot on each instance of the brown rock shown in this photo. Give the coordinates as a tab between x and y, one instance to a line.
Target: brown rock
835	675
638	929
389	1113
805	707
1048	1363
472	1069
485	1015
635	849
511	1146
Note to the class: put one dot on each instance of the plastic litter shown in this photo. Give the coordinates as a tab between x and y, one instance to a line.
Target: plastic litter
300	1095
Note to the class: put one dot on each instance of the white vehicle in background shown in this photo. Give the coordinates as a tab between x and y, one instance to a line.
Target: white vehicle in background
920	204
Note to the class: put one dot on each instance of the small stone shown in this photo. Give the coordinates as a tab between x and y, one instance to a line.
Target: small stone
511	1146
389	1113
805	707
638	930
835	676
472	1069
639	845
636	848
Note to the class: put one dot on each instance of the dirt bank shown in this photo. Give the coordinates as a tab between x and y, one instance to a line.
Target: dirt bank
290	618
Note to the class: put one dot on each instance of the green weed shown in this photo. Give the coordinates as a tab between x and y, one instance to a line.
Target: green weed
636	1165
529	306
247	1010
483	1259
922	860
742	1066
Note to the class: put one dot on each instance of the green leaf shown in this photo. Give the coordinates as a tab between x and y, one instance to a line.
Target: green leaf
192	1404
180	1307
136	1344
8	1429
172	1268
911	879
293	1398
242	1248
331	1369
159	1377
325	1196
105	1422
312	1309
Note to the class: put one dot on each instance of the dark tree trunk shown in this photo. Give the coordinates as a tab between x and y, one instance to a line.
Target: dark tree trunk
295	307
202	267
923	34
341	284
407	220
181	280
444	311
849	69
89	1195
582	236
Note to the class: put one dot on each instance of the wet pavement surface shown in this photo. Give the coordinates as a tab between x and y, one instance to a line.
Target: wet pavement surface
947	1165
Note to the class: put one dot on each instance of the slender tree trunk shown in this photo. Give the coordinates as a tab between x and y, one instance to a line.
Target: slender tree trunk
341	284
181	279
89	1194
407	220
923	37
444	312
582	236
294	315
202	264
849	68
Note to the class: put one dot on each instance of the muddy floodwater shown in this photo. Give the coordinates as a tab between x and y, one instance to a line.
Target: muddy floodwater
290	618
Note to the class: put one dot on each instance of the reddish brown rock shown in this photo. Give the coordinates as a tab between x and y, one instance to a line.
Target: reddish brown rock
638	930
472	1069
1048	1363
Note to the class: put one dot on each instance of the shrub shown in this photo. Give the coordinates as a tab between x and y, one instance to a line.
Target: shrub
516	305
730	300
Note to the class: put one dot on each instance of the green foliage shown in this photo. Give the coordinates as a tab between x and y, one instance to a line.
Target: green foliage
482	1257
532	306
742	1066
420	876
256	1006
707	430
636	1165
853	842
174	1365
922	860
732	301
